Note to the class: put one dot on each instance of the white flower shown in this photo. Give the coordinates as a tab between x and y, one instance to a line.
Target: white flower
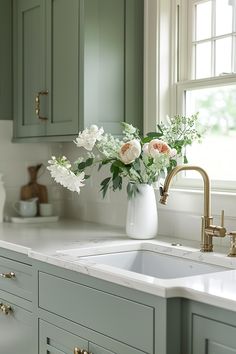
129	128
130	151
88	137
63	175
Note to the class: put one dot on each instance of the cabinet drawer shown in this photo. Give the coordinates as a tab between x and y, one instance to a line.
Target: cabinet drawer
212	337
18	334
56	340
124	320
21	283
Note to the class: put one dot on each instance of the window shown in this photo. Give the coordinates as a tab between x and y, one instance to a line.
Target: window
207	84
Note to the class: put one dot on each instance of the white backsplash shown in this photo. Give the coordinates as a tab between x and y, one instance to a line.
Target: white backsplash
181	218
14	160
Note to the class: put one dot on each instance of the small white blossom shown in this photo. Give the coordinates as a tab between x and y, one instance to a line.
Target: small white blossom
88	137
60	171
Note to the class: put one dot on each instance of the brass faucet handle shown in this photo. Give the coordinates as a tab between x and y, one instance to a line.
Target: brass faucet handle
232	251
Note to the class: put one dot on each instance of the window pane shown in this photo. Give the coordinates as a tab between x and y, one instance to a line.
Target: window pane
203	60
203	20
224	17
223	55
217	112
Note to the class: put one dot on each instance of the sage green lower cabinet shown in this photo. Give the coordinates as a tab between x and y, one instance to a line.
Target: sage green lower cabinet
17	332
52	310
208	330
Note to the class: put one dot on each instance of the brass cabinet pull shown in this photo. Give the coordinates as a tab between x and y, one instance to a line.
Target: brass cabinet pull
37	104
5	308
77	350
9	275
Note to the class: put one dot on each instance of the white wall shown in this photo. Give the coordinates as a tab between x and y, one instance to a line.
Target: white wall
14	160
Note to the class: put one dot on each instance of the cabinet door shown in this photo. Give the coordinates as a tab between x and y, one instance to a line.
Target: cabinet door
5	60
212	337
62	69
29	66
17	333
113	63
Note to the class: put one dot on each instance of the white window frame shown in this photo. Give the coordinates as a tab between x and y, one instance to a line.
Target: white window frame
182	15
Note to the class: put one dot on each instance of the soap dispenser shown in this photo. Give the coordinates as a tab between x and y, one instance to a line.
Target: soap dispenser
2	198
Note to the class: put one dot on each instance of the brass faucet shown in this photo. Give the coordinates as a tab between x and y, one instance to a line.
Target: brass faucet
208	229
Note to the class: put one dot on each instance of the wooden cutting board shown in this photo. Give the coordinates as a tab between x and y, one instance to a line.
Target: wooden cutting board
33	189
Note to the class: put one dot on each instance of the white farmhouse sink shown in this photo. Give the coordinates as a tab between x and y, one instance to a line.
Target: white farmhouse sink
154	264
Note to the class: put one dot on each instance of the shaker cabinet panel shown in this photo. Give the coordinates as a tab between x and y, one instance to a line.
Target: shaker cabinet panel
16	278
113	63
104	70
62	67
29	42
5	60
17	332
212	337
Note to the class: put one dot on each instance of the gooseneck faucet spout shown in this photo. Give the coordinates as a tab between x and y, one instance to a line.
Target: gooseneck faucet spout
208	230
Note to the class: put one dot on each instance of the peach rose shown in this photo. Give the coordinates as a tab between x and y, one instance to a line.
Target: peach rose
157	147
130	151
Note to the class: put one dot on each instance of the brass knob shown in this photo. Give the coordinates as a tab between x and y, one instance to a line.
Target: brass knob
77	350
5	309
9	275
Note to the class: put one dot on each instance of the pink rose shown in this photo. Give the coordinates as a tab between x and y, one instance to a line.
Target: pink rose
157	147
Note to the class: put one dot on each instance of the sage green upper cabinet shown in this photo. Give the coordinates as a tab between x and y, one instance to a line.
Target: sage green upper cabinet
62	69
47	67
5	60
113	63
29	65
86	57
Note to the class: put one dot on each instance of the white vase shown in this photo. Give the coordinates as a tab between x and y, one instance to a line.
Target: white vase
142	219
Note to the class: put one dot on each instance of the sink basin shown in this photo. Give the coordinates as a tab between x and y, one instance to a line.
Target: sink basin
154	264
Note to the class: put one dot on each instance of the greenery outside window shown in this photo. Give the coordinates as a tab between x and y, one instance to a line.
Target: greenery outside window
205	42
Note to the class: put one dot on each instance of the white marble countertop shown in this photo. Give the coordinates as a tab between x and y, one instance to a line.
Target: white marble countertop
53	242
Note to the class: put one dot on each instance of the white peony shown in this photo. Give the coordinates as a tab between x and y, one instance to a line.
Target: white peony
63	175
130	151
88	137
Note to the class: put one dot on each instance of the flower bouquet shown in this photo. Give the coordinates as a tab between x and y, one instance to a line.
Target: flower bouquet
136	158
